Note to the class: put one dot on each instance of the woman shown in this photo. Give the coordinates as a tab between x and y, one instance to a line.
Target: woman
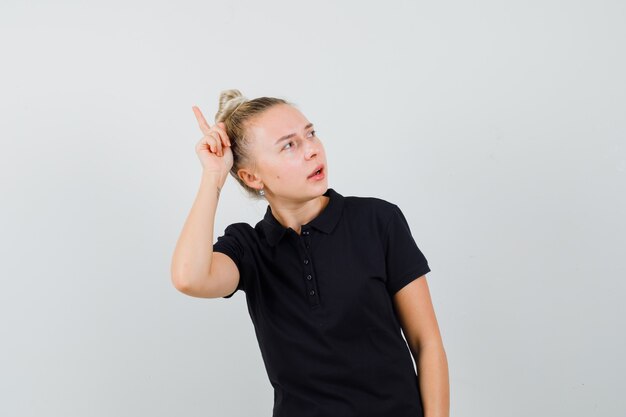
330	281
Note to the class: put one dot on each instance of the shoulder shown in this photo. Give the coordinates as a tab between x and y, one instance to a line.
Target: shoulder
239	227
242	232
236	241
375	212
383	210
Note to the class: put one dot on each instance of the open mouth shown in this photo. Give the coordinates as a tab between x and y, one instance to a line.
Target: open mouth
319	170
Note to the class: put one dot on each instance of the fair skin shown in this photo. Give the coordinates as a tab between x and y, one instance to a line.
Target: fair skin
416	314
281	170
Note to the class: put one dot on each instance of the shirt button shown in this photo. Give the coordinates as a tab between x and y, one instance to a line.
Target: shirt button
308	277
307	245
312	292
306	261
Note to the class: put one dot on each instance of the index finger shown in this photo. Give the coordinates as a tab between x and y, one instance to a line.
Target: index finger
204	126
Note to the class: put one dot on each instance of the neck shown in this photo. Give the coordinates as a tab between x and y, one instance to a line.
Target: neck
295	214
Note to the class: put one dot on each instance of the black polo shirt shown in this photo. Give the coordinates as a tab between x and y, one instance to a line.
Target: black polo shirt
322	309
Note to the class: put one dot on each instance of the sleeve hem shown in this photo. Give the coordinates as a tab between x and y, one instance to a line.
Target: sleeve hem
404	279
228	253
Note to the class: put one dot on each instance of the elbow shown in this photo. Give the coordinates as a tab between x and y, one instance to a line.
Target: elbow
179	276
180	283
426	344
189	282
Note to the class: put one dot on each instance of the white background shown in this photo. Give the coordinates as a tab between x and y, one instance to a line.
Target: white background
498	127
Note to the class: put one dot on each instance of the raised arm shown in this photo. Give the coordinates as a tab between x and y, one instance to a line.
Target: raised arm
195	269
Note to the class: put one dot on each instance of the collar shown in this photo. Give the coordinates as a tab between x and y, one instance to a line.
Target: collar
324	222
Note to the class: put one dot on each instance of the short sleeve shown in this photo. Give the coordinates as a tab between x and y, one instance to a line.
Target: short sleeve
404	261
231	244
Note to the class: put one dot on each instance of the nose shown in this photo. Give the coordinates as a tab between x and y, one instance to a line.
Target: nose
312	149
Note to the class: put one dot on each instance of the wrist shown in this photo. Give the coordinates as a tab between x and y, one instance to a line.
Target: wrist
212	174
215	178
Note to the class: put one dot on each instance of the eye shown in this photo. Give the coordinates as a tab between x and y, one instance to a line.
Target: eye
312	132
288	143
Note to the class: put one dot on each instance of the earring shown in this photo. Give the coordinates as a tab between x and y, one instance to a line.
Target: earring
261	192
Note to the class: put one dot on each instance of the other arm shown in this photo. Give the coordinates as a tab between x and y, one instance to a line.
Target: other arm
195	269
419	324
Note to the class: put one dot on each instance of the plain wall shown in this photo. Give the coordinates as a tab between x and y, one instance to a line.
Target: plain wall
497	127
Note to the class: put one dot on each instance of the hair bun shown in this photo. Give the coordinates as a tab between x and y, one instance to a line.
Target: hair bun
228	103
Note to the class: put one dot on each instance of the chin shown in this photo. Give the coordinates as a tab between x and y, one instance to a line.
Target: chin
321	188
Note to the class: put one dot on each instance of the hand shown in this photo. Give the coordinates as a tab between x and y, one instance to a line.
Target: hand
214	147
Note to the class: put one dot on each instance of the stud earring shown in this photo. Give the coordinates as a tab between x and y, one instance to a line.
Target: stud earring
261	192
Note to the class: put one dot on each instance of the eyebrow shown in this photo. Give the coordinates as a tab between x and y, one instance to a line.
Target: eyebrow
292	134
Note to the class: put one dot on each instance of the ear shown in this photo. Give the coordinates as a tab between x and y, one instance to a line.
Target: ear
250	179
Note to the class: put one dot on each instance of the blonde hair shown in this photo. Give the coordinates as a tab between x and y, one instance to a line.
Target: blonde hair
235	111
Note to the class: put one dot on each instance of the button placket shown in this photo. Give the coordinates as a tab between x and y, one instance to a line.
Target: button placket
308	269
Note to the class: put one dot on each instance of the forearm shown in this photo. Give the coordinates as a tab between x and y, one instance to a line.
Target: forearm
194	249
432	367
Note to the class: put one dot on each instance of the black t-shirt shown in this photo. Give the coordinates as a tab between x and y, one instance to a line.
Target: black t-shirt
321	305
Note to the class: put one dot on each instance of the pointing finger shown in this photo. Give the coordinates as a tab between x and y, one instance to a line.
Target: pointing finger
204	125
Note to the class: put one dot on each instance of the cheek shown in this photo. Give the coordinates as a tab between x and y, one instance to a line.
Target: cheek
285	170
286	173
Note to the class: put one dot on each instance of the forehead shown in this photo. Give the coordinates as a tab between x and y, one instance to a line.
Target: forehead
275	122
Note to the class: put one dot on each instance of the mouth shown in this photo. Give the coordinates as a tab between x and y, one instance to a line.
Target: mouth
318	170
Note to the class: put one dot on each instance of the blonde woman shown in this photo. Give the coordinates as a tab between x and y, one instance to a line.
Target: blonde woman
330	280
